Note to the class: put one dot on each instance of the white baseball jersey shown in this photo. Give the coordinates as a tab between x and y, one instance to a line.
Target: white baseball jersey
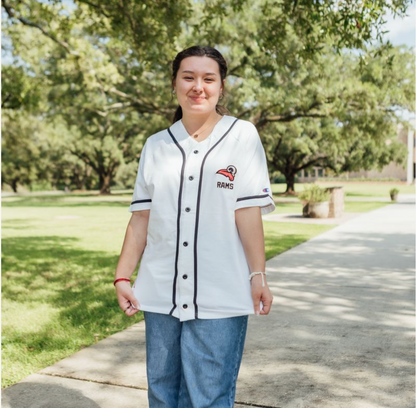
194	265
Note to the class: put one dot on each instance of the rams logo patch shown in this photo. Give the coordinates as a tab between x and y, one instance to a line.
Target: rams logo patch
229	173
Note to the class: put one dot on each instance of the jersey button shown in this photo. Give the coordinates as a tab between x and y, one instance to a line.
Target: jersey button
185	244
195	151
185	276
191	178
185	306
187	209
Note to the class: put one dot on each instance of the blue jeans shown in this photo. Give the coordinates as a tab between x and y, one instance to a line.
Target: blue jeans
195	363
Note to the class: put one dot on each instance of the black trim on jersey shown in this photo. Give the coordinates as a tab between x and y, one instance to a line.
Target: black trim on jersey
141	201
177	223
252	197
197	217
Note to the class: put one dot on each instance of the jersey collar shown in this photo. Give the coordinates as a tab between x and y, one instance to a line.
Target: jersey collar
182	136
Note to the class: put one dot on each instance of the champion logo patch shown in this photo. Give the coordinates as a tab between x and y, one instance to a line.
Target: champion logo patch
266	190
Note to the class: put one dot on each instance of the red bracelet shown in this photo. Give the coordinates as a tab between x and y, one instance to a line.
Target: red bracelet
121	279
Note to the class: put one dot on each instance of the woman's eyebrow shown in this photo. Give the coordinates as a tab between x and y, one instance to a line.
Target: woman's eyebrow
207	73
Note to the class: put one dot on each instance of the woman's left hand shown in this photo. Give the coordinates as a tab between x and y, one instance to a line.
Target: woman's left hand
261	293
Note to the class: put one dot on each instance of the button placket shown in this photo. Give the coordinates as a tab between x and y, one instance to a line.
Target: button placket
187	231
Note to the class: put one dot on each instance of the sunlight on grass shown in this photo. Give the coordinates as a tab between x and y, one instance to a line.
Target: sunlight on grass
351	189
280	237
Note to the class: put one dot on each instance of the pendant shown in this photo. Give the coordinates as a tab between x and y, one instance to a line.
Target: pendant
195	136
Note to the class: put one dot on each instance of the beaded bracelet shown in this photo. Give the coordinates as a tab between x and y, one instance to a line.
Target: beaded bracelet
256	273
121	279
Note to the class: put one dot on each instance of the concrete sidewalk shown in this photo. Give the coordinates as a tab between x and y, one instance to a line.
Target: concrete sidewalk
340	333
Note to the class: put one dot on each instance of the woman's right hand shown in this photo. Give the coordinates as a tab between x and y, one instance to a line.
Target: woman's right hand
126	299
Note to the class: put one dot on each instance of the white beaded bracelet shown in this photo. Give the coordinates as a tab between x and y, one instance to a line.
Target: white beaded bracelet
256	273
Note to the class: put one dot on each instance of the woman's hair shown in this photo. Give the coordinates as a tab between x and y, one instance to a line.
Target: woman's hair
199	51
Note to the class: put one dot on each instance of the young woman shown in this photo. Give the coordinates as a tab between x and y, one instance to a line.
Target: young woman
201	188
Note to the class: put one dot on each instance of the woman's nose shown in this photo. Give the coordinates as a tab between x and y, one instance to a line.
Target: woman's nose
198	85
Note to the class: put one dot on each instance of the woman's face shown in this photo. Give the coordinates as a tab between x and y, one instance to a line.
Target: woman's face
198	85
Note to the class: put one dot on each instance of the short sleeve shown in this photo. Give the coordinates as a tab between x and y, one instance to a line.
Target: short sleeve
141	199
254	185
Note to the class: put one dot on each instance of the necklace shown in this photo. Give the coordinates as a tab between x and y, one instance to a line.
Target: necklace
199	134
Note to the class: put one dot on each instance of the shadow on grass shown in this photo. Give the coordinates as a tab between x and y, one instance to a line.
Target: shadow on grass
63	202
74	284
50	196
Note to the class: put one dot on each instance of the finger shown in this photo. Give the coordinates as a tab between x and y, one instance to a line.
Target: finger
124	303
128	300
130	311
256	302
134	302
267	304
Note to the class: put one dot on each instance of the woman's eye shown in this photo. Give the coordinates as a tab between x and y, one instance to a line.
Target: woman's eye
208	79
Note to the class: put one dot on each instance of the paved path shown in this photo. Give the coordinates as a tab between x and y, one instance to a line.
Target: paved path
340	334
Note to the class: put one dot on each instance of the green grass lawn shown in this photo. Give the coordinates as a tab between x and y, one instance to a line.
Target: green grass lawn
355	189
281	236
59	255
57	292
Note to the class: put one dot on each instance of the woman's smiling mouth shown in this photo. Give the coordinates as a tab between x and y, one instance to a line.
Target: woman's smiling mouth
197	98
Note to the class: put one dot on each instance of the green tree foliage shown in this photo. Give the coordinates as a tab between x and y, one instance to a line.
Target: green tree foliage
33	148
19	151
22	145
104	71
334	115
98	73
336	109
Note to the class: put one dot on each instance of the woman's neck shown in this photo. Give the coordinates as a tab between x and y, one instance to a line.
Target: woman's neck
196	123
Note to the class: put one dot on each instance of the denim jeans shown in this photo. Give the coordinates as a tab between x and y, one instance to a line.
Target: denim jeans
195	363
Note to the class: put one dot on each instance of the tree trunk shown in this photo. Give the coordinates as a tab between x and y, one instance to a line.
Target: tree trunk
105	180
290	183
78	180
14	185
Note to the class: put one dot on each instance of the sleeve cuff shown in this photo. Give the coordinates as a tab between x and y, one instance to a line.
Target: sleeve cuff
140	205
264	201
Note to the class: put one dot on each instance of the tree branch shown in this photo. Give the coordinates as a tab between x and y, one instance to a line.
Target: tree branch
96	6
27	22
290	116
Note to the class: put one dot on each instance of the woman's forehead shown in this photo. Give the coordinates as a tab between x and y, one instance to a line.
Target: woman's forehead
199	65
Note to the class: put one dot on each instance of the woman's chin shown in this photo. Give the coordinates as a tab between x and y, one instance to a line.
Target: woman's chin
199	109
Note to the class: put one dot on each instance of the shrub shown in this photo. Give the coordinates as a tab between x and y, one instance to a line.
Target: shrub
314	194
394	191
